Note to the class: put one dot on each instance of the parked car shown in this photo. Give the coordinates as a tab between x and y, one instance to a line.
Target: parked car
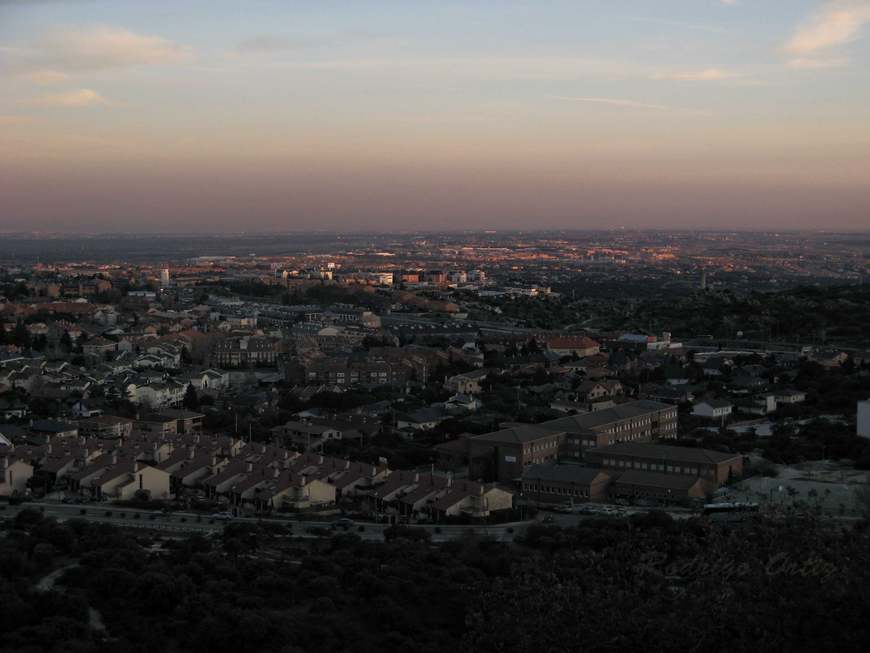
222	516
344	523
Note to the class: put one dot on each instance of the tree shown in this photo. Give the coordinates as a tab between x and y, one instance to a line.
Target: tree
20	336
43	554
191	399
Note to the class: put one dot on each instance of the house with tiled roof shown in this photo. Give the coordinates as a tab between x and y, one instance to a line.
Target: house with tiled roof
14	474
571	345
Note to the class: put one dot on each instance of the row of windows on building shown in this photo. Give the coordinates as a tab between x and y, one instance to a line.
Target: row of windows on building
549	444
538	460
642	435
658	467
354	376
633	424
556	489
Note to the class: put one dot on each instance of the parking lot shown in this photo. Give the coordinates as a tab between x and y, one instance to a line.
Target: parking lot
833	488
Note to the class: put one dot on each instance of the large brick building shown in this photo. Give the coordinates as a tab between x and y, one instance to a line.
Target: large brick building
636	421
504	454
714	468
564	483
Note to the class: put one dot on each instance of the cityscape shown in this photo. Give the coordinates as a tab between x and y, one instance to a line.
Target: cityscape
343	362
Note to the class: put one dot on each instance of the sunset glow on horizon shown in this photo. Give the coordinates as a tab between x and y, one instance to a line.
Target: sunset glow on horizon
219	116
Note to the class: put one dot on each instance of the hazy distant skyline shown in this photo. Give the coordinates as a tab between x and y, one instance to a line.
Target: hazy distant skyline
189	116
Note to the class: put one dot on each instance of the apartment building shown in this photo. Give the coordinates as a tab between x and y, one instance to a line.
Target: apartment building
245	351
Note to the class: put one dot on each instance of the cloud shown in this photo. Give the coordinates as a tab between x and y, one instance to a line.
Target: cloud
272	43
268	43
487	68
14	120
99	48
83	97
629	104
677	23
706	75
807	63
836	24
46	76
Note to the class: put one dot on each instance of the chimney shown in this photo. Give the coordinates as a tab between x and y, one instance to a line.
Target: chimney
250	467
449	479
48	448
213	460
47	439
276	473
304	479
319	460
192	452
347	464
416	477
5	463
114	457
85	454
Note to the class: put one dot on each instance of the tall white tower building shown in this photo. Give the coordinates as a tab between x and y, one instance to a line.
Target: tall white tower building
164	278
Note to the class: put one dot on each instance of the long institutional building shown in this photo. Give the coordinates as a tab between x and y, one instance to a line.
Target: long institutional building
603	454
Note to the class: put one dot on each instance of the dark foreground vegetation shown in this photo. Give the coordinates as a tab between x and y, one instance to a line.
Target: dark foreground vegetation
648	584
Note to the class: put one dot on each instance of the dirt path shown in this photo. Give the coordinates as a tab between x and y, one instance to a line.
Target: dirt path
47	583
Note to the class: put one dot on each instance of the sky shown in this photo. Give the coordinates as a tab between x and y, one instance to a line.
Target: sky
218	116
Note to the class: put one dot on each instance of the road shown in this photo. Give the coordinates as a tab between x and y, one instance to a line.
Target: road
191	523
